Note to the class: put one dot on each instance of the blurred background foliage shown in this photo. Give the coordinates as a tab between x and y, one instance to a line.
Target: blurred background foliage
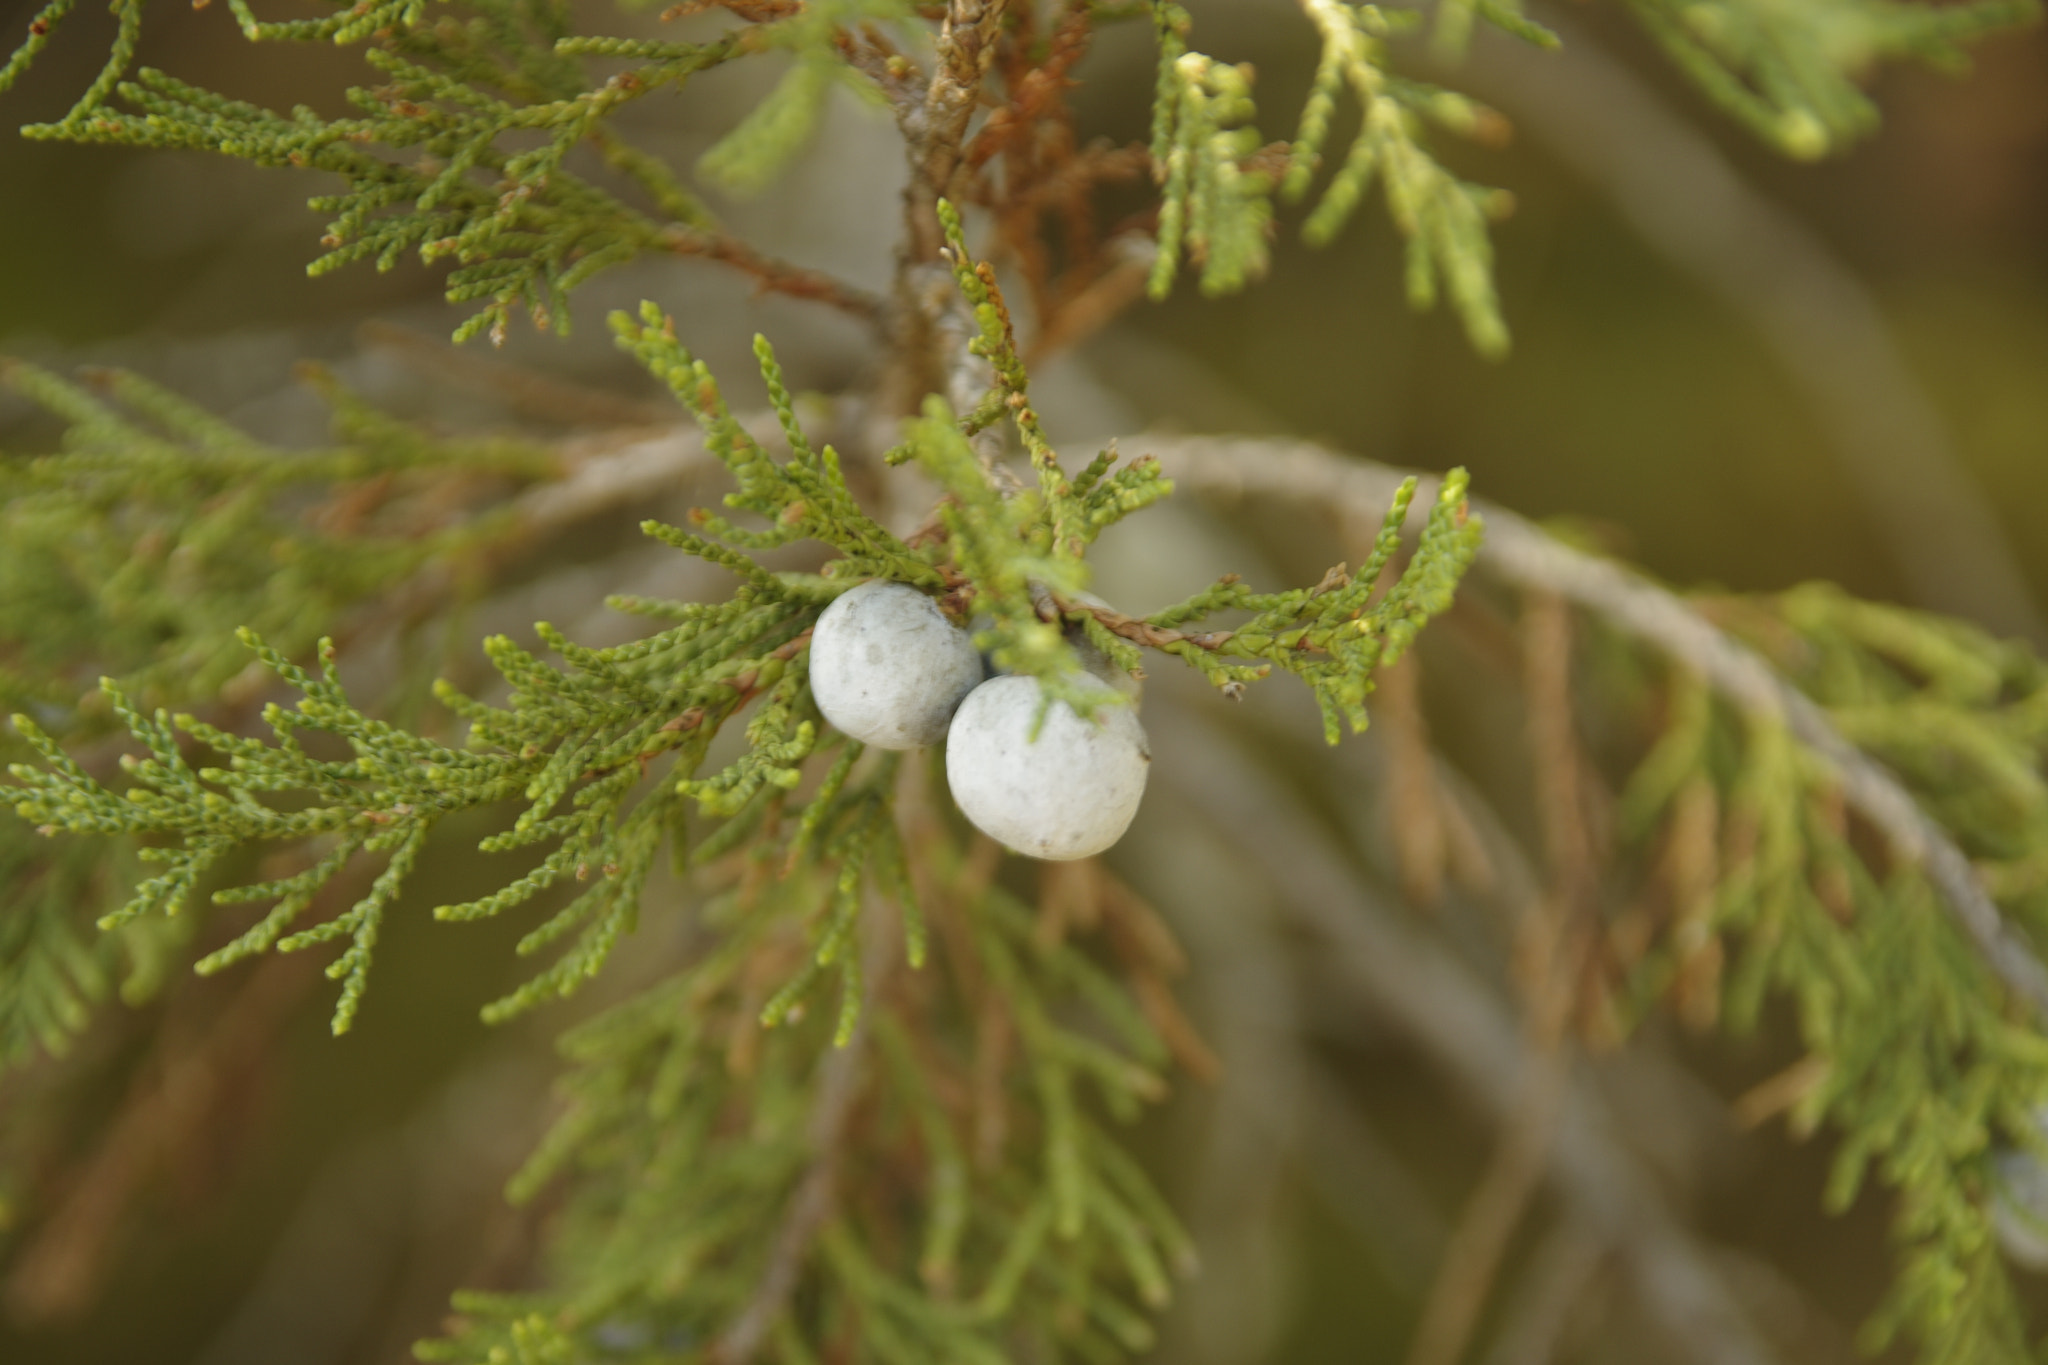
314	1200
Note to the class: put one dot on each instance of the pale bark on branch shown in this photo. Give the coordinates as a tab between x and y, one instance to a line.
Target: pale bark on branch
1522	553
1516	550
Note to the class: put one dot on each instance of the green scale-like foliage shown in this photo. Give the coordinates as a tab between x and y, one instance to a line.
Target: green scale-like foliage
1219	182
1335	635
604	754
487	138
944	1245
523	230
1916	1055
442	161
589	735
594	729
51	973
138	550
1788	72
158	531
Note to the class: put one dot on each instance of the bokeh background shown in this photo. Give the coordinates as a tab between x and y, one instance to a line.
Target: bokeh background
1691	401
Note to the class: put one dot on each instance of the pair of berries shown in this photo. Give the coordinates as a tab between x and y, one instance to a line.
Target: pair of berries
888	669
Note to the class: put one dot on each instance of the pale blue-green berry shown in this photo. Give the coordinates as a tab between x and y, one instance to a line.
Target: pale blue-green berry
1068	793
888	668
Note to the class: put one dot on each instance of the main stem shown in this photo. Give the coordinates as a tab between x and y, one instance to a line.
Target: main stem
934	134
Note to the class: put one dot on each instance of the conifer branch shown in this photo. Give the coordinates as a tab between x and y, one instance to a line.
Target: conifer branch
966	49
1818	918
729	1088
934	125
1444	219
159	531
1218	180
1525	555
430	167
1216	195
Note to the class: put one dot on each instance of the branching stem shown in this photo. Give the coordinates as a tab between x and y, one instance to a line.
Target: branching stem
1143	632
935	134
1524	554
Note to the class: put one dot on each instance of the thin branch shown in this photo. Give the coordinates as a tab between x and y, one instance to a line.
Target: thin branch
810	1208
937	133
934	133
869	51
1462	1025
1086	311
772	275
605	472
1540	1313
1522	553
1555	935
525	391
1415	808
1465	1275
1136	630
609	472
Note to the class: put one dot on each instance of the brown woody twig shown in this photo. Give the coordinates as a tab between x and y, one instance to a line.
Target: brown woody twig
772	275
